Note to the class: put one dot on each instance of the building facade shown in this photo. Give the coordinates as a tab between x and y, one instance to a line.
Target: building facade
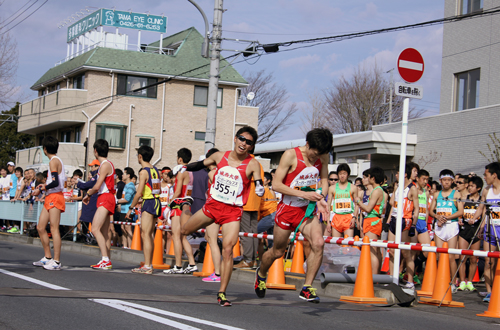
92	95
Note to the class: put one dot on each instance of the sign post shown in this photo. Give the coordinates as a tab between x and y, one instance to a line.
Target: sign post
410	68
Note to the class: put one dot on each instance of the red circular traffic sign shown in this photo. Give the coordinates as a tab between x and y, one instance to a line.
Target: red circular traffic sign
410	65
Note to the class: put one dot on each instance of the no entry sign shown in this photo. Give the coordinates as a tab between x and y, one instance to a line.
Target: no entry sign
410	65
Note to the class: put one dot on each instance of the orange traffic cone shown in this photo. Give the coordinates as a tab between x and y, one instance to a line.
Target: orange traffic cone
476	278
494	305
136	239
429	275
208	264
298	259
276	277
171	248
385	264
158	251
363	287
236	250
345	237
356	239
90	227
441	286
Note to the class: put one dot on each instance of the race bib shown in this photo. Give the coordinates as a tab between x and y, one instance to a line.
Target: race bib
155	186
422	211
469	213
444	211
343	205
164	199
495	213
227	185
189	190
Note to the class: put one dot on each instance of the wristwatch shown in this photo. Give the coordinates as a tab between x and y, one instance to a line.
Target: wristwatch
131	207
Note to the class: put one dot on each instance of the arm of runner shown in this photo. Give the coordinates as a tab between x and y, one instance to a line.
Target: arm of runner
287	161
375	196
143	179
414	197
460	211
256	169
104	171
480	209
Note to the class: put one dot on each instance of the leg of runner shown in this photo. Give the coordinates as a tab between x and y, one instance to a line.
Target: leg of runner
148	222
197	221
55	218
230	237
186	214
100	228
374	254
472	266
488	279
313	232
176	236
452	244
407	255
211	237
42	232
463	244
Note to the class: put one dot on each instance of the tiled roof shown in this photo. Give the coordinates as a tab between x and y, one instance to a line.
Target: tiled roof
187	57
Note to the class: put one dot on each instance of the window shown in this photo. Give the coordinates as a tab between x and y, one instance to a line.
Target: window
470	6
144	142
115	135
201	96
126	84
65	136
78	135
467	89
79	82
199	136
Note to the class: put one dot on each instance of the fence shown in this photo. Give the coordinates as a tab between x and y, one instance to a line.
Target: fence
28	212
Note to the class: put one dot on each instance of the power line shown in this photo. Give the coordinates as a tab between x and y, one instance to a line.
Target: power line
26	17
5	24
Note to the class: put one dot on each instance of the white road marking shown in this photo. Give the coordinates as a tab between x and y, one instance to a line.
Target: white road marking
411	65
129	307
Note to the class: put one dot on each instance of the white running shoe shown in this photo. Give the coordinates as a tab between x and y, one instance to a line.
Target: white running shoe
174	270
52	265
190	269
42	262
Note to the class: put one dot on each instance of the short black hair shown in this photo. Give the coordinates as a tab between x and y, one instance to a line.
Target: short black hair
45	173
102	147
40	176
274	171
51	144
333	172
268	176
422	172
119	174
130	171
377	173
438	186
133	177
446	172
250	130
344	167
477	181
78	173
18	169
211	152
185	154
358	179
165	168
367	172
409	168
494	168
320	139
146	152
465	177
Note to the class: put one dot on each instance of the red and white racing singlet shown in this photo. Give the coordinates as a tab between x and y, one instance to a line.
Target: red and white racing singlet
164	195
108	186
231	184
186	189
302	176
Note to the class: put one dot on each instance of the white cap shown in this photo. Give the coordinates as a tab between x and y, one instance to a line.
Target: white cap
201	158
11	164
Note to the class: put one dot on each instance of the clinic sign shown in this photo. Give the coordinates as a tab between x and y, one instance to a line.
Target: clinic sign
119	19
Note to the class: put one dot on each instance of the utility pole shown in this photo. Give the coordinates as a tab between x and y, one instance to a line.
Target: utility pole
390	97
213	82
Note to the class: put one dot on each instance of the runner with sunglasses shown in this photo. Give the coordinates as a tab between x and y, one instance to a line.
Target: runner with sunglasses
227	194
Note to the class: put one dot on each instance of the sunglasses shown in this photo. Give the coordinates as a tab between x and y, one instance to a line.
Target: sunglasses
333	179
460	182
247	141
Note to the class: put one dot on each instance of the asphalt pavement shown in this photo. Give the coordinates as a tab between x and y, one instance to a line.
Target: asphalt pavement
78	297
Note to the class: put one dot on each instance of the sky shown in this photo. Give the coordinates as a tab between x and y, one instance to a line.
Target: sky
41	43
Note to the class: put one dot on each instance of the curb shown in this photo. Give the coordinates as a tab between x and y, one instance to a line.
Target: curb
332	290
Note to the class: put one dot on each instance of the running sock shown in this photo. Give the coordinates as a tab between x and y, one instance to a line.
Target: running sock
218	275
105	258
57	262
192	265
48	258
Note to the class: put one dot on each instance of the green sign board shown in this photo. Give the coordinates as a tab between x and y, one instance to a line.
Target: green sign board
119	19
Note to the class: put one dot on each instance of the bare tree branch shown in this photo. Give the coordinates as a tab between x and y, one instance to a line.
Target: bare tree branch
8	69
272	99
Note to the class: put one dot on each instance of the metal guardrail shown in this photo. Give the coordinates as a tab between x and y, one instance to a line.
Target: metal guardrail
28	212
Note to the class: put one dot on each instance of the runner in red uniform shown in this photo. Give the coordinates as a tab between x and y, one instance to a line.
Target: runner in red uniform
301	173
227	194
105	188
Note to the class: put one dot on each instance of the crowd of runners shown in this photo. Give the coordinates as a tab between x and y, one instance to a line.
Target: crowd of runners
225	190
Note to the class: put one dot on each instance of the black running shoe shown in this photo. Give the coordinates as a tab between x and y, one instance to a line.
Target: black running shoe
260	285
188	200
176	204
308	293
221	299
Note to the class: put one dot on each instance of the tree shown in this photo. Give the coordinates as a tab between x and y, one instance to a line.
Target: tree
357	103
493	148
275	112
11	140
8	69
313	112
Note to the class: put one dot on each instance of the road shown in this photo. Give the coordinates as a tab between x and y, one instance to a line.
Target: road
78	297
